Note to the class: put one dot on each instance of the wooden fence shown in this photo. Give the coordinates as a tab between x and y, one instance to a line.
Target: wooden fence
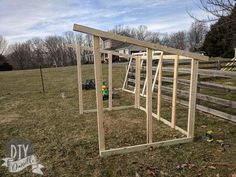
183	93
221	64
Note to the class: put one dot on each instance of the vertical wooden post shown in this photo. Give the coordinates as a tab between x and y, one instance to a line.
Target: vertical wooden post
137	83
192	98
79	73
98	79
149	95
110	79
159	88
155	78
127	73
174	94
41	74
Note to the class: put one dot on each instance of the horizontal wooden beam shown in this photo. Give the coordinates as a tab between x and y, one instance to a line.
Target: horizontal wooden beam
214	112
202	84
112	36
166	57
107	109
144	146
212	73
200	96
103	51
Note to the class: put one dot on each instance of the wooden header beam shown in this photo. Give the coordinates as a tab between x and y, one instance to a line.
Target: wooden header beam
112	36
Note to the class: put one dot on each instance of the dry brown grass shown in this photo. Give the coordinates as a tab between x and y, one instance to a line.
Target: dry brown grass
66	142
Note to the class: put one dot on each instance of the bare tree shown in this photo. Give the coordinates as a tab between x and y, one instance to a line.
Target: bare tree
216	8
165	39
142	32
70	38
55	48
196	35
20	56
39	54
3	45
178	40
124	31
154	37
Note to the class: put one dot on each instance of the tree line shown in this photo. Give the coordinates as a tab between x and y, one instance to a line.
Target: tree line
53	51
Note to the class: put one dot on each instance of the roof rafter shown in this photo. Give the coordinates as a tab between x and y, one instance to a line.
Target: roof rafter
112	36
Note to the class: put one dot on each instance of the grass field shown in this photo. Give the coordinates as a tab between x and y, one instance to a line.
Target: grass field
66	142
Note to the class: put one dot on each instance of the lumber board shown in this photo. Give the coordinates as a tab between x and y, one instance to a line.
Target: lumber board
107	109
110	80
149	96
99	99
192	98
159	88
141	147
156	73
79	75
127	72
174	93
125	39
212	73
137	83
103	51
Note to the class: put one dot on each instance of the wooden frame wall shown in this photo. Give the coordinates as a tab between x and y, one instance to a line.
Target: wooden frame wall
149	57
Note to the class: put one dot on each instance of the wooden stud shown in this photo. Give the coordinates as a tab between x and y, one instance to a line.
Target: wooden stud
79	74
159	88
174	94
155	78
127	72
144	146
141	67
137	83
110	79
125	39
129	91
145	82
149	96
98	79
113	108
192	98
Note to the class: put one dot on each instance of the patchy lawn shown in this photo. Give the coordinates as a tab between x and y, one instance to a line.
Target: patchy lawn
66	142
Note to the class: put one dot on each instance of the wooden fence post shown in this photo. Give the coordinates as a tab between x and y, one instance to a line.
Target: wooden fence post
192	98
174	94
98	79
159	88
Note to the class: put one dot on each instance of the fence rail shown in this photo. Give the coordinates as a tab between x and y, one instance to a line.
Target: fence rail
183	94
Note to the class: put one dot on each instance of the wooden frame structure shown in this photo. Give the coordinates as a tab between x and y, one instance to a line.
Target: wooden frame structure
151	49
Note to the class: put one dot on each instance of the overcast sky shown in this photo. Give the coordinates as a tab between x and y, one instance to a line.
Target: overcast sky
23	19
